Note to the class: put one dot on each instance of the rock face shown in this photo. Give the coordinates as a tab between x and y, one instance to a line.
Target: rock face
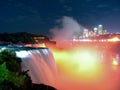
42	87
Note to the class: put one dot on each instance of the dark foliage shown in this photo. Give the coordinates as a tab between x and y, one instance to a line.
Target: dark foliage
11	76
17	38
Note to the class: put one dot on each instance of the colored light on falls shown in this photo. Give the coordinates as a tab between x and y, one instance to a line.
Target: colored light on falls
40	63
79	68
115	39
114	61
79	62
83	69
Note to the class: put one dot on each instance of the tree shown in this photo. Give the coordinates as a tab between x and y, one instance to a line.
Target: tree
11	76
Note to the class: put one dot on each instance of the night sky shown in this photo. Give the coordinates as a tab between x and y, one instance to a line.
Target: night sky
39	16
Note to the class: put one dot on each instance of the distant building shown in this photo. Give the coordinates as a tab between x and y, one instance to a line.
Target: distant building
91	33
44	40
85	33
100	29
95	31
40	39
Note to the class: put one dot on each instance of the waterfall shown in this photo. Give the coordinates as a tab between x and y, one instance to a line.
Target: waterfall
40	63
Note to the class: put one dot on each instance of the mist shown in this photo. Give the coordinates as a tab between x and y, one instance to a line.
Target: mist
66	29
78	67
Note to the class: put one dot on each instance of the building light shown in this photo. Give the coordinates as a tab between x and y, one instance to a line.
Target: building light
95	29
99	25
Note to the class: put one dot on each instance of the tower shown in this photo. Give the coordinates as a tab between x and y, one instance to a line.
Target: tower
95	31
100	29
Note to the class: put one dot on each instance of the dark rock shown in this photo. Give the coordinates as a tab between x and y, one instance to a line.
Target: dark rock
42	87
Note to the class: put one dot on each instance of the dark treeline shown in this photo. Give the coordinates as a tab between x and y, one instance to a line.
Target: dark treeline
17	38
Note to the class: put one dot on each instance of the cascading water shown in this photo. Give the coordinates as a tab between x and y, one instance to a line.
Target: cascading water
78	68
40	63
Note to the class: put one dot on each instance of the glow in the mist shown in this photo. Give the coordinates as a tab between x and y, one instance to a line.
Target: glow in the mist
114	62
79	62
115	39
87	60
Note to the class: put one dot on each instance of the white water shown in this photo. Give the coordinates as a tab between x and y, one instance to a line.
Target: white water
40	63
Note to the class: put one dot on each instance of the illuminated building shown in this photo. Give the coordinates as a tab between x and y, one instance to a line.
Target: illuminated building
105	32
41	38
43	41
100	29
91	33
85	33
95	31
